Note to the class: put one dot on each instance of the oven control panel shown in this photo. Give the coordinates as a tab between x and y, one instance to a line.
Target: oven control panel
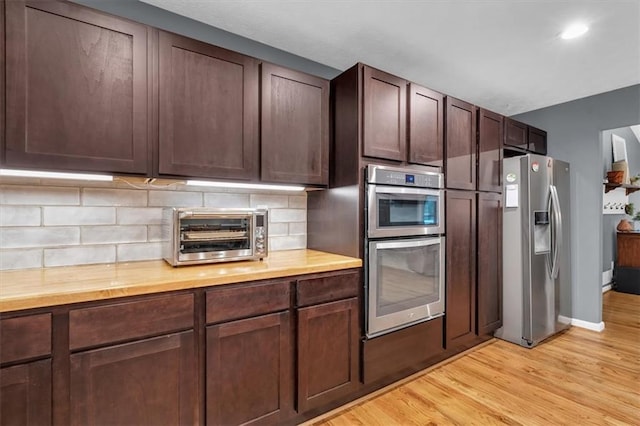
404	177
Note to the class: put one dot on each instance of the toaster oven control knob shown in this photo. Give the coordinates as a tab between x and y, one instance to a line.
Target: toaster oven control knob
260	233
260	247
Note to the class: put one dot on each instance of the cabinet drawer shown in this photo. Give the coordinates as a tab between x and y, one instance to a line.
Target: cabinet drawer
129	320
229	303
25	337
326	289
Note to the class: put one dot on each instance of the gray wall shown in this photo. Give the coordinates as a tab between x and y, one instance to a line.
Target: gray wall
610	221
160	18
574	135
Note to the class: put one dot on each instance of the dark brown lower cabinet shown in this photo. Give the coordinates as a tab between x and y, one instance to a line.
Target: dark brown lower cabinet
460	311
249	371
25	394
328	357
146	382
489	262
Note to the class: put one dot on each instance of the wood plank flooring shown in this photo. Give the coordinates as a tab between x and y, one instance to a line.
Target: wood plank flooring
579	377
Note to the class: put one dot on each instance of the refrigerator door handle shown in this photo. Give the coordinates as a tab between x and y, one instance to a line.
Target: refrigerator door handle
557	231
551	253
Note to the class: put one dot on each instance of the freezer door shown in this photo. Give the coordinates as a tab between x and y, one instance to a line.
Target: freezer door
539	304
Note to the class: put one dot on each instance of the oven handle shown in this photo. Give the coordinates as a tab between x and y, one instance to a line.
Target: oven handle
405	190
406	244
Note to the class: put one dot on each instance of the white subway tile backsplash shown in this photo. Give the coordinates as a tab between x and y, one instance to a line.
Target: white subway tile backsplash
20	216
39	195
79	216
297	228
298	201
271	201
154	233
143	251
175	199
113	234
278	229
113	197
222	200
139	215
79	255
38	237
20	259
291	242
287	215
44	224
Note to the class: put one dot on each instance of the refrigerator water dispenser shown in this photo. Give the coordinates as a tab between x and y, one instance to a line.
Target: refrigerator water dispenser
541	232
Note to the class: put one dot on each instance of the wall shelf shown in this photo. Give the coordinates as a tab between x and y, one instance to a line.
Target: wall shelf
629	189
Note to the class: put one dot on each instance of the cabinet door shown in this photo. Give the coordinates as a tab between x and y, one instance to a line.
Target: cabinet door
460	312
147	382
328	358
385	105
460	144
249	371
295	127
425	126
208	112
489	262
489	151
76	89
537	140
515	133
25	394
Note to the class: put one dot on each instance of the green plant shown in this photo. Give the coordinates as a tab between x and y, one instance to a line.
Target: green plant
635	180
629	209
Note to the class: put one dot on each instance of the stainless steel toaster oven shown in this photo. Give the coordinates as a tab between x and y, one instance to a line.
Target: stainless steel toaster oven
206	235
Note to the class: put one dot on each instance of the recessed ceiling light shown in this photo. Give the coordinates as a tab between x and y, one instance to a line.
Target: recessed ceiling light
573	31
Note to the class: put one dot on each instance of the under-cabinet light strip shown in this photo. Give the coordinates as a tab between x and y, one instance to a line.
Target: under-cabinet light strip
245	185
54	175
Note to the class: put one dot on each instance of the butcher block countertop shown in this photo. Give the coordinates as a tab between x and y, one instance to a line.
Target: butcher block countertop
36	288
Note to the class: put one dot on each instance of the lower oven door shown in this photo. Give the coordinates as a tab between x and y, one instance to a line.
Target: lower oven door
405	283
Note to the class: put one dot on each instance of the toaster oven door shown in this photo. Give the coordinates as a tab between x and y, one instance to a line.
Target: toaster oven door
215	237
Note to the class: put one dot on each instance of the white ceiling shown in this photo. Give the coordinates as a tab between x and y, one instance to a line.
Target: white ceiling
504	55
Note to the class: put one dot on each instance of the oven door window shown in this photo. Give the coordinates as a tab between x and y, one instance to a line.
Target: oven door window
405	210
217	234
394	211
406	282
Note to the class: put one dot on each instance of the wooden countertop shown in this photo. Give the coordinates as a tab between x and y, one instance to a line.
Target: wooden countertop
35	288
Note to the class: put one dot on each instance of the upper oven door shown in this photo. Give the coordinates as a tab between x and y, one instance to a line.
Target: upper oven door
404	211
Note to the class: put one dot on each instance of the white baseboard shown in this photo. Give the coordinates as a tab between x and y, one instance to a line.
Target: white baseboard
607	277
588	325
606	288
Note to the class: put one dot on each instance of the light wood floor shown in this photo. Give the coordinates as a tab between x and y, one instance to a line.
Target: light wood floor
580	377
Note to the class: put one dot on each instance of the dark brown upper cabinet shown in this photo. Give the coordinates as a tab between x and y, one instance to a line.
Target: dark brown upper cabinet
515	133
460	143
77	89
524	137
384	120
294	127
425	126
537	141
489	151
208	110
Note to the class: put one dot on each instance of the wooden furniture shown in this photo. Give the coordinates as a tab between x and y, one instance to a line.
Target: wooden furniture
208	110
460	311
426	126
460	144
269	351
94	92
489	267
524	138
25	370
627	270
77	89
629	189
295	127
490	129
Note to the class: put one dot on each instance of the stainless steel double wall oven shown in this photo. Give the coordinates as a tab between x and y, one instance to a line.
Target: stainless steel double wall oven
404	247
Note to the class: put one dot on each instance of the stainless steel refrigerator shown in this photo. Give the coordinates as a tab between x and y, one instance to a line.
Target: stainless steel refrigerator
536	237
